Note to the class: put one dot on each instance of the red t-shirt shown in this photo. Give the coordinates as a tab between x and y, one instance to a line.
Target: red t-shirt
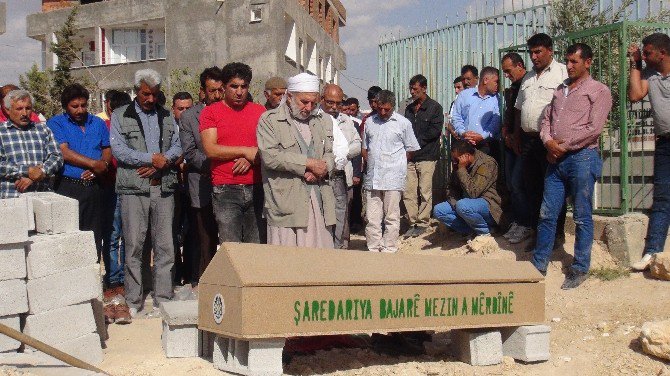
234	128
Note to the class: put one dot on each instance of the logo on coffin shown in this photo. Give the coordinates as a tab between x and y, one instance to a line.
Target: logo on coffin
218	308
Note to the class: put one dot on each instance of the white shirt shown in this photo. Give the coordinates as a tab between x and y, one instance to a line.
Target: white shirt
387	142
346	125
536	92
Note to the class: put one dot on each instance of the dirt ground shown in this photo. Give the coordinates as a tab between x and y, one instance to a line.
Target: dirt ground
594	328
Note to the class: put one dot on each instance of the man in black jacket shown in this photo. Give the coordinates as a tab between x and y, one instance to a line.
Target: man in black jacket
427	117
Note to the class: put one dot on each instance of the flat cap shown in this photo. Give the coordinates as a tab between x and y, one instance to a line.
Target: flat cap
275	83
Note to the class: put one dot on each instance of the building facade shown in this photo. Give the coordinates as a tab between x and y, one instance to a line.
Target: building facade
274	37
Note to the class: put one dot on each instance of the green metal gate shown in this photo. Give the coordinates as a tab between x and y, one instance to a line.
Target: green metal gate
627	142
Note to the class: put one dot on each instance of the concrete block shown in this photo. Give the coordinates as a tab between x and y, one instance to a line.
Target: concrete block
13	297
13	220
526	343
257	358
180	336
206	349
53	254
62	324
86	348
12	261
63	289
6	343
55	214
180	341
480	347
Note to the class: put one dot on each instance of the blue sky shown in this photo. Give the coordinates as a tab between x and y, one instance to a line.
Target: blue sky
367	22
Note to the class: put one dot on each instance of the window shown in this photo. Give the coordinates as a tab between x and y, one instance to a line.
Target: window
129	45
256	14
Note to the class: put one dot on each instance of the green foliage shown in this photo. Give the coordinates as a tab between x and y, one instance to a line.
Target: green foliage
67	52
609	274
40	85
183	79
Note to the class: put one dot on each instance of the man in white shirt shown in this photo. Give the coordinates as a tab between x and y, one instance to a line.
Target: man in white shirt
537	89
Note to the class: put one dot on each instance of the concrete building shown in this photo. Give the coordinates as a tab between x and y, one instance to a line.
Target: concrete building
3	17
275	37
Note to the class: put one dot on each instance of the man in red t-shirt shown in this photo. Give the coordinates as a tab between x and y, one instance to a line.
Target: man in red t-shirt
228	131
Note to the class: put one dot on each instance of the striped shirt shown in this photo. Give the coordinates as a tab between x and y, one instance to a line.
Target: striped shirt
577	116
21	148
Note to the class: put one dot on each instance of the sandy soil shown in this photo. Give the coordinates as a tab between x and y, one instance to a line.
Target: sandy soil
594	328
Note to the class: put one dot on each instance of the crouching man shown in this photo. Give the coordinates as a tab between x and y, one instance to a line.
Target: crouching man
473	203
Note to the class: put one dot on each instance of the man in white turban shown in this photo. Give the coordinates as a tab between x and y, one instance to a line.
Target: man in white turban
295	141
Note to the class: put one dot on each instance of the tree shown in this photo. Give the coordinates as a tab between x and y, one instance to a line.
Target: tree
47	86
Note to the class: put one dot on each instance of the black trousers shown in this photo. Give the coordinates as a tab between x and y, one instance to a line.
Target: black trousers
534	161
90	206
203	234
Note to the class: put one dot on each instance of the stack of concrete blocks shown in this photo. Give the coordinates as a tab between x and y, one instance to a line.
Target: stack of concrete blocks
60	279
13	294
484	347
181	337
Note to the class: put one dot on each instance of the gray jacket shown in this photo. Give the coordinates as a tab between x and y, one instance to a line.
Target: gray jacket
287	194
198	168
132	135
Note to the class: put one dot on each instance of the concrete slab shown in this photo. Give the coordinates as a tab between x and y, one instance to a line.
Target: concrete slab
14	297
13	220
179	313
526	343
39	364
478	347
53	254
64	289
6	343
62	324
12	261
253	358
86	348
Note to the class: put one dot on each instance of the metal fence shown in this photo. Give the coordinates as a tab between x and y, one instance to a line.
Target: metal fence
627	142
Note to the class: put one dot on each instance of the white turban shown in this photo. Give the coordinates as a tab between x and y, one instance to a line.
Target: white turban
303	83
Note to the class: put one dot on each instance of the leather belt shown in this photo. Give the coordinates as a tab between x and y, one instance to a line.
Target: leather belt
82	182
154	182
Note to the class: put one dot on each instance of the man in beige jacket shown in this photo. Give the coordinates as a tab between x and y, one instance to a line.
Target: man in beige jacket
296	147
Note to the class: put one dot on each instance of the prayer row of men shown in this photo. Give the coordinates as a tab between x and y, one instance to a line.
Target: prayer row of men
286	173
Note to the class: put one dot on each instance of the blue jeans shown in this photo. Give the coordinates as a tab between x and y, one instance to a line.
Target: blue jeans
514	181
114	250
574	175
660	209
471	215
238	210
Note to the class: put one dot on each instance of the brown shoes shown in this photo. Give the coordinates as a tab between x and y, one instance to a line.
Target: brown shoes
115	308
122	314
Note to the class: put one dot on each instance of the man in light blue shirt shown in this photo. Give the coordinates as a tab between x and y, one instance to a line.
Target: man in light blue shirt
476	113
388	139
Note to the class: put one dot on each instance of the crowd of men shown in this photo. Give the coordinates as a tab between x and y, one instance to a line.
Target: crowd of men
165	187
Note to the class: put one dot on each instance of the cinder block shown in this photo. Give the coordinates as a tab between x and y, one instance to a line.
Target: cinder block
180	336
86	348
13	297
6	343
478	347
63	289
257	358
12	261
53	254
62	324
55	214
526	343
206	350
13	220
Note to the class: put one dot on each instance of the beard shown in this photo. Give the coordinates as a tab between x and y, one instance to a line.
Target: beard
294	108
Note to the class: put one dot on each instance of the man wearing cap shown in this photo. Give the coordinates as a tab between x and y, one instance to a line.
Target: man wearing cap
296	146
275	88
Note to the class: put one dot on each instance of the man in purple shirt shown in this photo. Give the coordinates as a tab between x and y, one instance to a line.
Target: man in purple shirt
570	129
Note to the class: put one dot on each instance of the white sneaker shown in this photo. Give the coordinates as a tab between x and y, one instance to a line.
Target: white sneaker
133	312
521	234
643	264
512	230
